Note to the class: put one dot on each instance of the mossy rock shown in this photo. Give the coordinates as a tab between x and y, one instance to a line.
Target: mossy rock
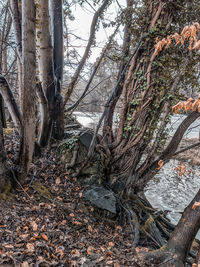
81	143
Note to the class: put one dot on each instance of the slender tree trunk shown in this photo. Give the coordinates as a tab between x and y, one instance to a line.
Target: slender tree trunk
46	72
8	97
109	110
57	38
2	156
29	85
16	18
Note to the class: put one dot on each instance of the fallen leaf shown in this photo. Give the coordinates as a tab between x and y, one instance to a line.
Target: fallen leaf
195	205
30	247
89	250
58	180
34	226
111	244
90	228
45	237
75	253
100	259
25	264
109	262
7	246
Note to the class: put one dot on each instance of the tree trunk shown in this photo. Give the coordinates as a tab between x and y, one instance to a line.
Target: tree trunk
16	18
109	110
174	253
8	97
57	40
46	72
29	86
2	156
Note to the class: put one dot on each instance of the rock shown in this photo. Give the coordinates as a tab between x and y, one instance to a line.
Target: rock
86	139
101	197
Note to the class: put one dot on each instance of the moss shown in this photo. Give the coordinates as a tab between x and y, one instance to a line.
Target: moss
148	222
43	191
6	194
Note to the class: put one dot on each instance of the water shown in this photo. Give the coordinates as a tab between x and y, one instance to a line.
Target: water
169	191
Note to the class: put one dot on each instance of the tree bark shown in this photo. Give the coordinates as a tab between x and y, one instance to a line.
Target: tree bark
9	99
46	72
29	84
2	156
57	40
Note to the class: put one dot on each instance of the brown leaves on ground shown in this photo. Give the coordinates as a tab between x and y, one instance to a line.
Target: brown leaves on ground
36	232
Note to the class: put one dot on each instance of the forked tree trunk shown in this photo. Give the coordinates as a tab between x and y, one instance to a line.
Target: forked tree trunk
29	85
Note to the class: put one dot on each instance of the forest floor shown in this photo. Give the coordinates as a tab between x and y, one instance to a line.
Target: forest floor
48	223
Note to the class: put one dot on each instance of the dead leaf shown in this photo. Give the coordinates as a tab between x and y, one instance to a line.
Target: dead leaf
89	250
30	247
75	253
111	244
90	228
195	205
100	259
58	180
34	226
109	262
25	264
44	236
7	245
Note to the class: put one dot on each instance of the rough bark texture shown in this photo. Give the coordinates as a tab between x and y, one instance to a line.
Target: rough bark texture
145	101
29	84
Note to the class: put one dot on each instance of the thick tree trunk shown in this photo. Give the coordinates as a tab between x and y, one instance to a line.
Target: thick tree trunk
174	253
29	85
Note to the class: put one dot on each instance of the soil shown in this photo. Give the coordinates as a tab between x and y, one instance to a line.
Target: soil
48	223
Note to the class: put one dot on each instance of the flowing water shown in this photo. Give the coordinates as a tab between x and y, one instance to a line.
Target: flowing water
168	190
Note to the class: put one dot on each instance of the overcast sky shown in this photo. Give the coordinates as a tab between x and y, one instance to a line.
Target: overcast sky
81	26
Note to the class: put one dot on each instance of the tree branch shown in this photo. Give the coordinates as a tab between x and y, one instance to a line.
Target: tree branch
74	79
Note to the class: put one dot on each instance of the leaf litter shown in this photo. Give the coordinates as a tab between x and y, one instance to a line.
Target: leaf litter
54	226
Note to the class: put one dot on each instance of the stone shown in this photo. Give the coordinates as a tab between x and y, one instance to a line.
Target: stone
101	197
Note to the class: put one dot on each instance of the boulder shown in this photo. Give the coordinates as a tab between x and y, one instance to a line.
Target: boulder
100	197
